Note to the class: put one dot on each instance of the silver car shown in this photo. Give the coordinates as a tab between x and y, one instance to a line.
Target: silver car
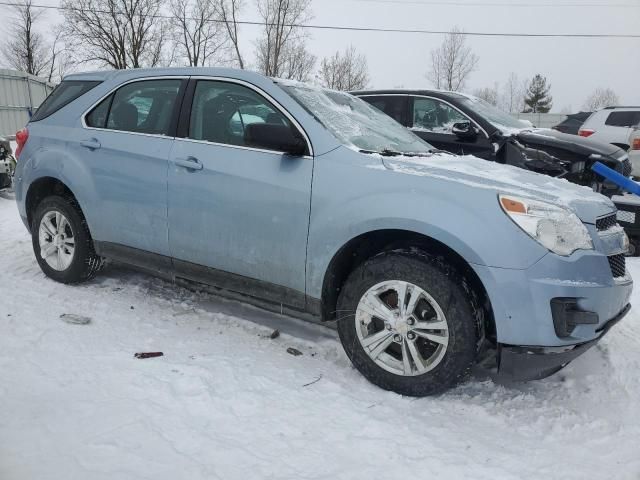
312	202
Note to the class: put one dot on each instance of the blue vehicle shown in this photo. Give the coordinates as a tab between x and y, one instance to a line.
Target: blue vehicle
312	202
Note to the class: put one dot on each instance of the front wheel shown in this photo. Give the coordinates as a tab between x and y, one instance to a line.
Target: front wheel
61	241
407	323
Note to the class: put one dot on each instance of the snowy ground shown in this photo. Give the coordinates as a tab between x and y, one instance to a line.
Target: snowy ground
227	402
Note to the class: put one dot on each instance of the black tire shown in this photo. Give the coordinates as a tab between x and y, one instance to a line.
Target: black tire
85	263
447	287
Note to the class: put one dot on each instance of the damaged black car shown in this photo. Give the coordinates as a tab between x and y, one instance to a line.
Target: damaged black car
7	164
466	125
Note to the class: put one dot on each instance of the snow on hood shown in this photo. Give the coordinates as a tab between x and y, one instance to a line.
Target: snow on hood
507	179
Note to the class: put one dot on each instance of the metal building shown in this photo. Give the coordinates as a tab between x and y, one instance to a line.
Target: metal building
20	95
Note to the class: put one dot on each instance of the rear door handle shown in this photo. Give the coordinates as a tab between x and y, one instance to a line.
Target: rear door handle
92	144
192	163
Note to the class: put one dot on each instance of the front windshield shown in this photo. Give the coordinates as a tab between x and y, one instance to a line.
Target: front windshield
499	119
354	122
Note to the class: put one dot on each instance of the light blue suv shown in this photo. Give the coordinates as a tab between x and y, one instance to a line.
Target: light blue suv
312	202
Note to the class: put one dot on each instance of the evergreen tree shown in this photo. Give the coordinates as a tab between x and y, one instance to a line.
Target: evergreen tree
537	98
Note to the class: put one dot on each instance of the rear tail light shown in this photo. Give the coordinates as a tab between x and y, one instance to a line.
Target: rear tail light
636	144
586	132
21	138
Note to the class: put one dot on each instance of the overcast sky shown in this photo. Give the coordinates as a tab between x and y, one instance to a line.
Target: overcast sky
575	67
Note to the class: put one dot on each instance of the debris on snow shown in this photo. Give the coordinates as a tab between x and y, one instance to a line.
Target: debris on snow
294	351
74	319
275	334
314	381
148	354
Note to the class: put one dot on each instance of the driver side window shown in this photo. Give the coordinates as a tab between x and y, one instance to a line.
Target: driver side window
432	115
221	112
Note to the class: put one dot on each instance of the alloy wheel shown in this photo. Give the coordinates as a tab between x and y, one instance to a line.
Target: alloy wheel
56	240
402	328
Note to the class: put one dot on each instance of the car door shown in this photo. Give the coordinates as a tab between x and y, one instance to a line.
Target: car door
238	216
125	141
433	119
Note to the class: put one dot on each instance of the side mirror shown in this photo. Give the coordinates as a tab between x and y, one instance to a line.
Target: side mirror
271	136
464	130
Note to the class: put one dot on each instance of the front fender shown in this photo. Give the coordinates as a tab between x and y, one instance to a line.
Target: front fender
351	198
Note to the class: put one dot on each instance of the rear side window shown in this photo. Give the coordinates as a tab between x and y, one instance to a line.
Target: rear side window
142	107
623	119
65	93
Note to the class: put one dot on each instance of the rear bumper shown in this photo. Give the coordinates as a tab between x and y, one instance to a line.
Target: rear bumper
522	363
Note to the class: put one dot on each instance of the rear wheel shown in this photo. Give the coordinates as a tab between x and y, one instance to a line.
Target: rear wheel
61	241
407	323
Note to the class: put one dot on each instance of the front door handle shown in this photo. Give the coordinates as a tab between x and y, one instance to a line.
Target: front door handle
191	163
91	144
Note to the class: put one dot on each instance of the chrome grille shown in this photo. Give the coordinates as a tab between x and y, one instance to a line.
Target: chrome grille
618	265
605	223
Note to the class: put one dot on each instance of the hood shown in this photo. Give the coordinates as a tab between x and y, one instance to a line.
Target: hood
572	143
478	173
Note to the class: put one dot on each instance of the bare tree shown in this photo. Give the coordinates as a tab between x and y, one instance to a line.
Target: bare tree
488	94
26	49
345	71
59	62
198	35
299	63
228	10
117	33
452	62
282	35
513	94
600	98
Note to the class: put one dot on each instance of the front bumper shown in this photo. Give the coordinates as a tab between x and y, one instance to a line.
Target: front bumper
521	300
522	363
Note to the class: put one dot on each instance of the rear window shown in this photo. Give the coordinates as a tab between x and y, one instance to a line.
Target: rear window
623	119
65	93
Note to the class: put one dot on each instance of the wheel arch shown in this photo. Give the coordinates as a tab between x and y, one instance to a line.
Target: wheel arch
42	188
366	245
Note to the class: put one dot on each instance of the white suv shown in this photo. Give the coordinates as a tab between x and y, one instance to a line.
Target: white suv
612	125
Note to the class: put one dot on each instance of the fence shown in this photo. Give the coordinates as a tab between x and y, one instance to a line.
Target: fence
20	95
541	120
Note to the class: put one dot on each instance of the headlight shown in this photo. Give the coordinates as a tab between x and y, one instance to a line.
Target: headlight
555	228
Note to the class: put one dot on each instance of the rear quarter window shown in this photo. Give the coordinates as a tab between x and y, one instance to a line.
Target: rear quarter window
623	119
65	93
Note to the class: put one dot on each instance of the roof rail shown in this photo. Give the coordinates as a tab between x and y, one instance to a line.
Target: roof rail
620	106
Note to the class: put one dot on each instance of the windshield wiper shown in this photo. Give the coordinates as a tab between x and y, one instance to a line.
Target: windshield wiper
387	152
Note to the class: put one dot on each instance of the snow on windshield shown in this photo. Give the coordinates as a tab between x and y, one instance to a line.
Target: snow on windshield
353	121
499	119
